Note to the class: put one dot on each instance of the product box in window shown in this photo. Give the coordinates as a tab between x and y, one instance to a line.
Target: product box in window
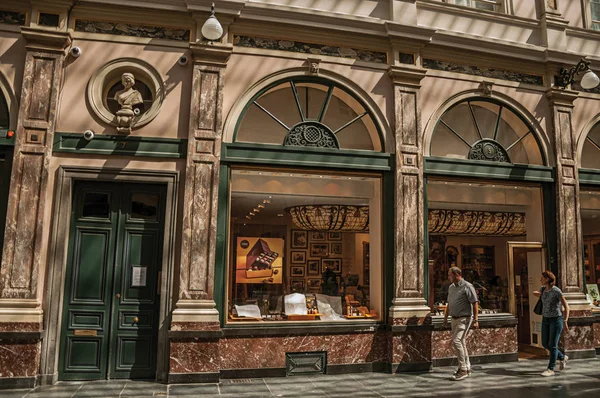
259	260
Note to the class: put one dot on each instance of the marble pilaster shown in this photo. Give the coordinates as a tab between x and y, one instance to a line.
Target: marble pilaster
409	236
569	239
23	246
195	308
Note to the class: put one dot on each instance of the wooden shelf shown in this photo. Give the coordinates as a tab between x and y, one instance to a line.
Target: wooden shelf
307	317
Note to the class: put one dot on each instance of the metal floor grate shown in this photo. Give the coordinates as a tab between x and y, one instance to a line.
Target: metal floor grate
241	381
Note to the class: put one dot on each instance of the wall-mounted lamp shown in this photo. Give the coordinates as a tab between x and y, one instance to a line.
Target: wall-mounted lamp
212	29
588	81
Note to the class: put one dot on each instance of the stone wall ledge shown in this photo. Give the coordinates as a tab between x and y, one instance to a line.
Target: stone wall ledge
195	334
485	321
21	336
301	329
582	321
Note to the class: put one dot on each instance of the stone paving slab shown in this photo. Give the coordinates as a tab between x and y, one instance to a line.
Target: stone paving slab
515	380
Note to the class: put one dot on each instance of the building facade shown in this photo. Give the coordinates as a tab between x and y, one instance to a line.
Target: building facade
289	198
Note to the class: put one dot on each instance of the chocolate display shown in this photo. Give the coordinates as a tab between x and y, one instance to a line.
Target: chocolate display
259	260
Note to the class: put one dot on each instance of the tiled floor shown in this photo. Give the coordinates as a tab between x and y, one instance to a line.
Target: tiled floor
522	379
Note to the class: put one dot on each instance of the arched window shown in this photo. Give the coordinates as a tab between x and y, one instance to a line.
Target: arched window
482	129
310	112
590	156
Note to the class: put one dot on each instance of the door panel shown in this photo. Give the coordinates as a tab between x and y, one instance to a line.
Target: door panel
110	320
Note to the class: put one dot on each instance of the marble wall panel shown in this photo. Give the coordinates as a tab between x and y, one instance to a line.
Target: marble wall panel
412	346
194	356
20	327
269	352
596	330
19	359
577	338
483	341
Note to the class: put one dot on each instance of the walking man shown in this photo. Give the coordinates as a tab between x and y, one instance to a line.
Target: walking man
463	308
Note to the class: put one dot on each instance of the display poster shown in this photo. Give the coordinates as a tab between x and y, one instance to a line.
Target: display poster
138	276
259	260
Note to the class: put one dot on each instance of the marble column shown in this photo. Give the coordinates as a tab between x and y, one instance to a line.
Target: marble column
409	298
579	338
410	339
195	308
23	247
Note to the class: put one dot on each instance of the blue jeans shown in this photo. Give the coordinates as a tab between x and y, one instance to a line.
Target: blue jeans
551	330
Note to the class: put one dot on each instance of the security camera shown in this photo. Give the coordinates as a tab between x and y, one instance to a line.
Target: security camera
183	60
89	135
75	52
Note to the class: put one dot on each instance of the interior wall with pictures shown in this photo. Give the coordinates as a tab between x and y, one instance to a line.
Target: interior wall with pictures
309	262
480	248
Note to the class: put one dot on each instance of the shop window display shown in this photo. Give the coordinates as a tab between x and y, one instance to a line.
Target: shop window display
590	220
470	226
301	247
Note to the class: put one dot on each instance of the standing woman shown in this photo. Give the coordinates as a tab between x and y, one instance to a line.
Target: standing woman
552	321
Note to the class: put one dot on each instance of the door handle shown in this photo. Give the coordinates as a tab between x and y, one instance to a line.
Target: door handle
118	295
136	319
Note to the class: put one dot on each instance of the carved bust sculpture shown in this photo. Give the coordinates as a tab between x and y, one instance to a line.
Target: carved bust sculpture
127	98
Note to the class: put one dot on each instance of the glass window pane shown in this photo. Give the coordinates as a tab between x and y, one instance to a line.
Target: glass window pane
595	9
445	143
278	255
96	205
144	206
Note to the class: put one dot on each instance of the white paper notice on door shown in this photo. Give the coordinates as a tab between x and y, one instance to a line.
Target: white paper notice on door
138	276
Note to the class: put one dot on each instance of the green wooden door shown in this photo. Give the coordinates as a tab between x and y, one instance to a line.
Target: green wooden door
111	302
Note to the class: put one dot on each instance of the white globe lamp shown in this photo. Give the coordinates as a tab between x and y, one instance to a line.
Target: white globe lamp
589	80
212	29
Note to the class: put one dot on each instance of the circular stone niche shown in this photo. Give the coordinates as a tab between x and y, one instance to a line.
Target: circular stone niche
104	81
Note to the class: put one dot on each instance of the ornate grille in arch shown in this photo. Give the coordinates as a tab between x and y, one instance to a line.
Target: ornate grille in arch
482	129
309	112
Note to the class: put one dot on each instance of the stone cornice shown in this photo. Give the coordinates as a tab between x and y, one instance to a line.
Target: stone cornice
406	75
561	97
216	54
418	36
45	40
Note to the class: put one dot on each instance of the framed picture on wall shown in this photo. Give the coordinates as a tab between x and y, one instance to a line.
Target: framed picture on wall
299	239
314	267
297	285
298	257
314	283
334	264
297	270
336	248
319	249
317	236
334	235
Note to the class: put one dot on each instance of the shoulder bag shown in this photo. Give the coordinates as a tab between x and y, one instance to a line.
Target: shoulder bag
539	306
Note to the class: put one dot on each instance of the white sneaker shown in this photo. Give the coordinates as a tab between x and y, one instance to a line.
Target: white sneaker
548	373
562	365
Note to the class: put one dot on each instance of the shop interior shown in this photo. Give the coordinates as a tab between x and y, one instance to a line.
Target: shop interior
590	223
304	247
494	233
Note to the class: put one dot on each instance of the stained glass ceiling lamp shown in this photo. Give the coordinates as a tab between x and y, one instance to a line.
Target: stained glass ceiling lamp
476	223
343	218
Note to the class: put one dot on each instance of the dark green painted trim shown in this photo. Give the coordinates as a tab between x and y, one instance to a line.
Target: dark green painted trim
305	157
550	226
425	241
6	141
480	169
221	245
589	177
120	146
307	79
389	228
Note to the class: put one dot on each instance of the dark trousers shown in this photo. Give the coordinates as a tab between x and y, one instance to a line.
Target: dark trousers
551	330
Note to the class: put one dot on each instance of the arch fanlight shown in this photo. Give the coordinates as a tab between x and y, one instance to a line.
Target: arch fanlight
590	156
309	112
483	129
